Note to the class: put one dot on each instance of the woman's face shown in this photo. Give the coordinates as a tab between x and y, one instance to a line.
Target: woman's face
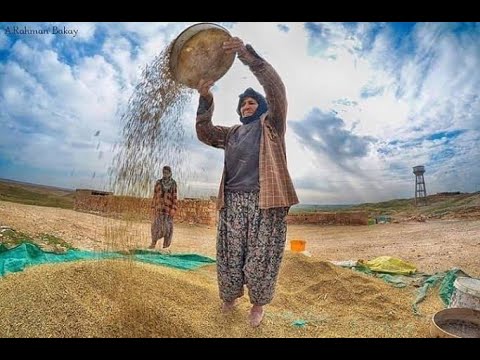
248	107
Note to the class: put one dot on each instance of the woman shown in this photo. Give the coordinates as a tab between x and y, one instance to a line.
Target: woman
164	206
256	190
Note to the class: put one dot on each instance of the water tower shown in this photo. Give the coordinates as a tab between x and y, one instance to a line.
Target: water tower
420	191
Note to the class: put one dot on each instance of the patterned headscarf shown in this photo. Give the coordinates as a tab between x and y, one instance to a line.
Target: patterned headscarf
166	181
261	109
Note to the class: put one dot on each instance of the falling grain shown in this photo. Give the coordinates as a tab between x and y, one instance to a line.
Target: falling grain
153	134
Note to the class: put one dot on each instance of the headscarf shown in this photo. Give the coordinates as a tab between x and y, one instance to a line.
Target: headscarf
167	182
261	109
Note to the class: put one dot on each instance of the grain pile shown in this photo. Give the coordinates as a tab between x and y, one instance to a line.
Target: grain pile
127	299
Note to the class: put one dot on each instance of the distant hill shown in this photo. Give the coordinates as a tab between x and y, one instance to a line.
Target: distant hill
34	194
440	206
309	208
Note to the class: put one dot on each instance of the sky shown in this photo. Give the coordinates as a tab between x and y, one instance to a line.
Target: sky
367	103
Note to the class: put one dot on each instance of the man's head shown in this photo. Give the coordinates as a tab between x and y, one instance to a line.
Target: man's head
167	172
251	105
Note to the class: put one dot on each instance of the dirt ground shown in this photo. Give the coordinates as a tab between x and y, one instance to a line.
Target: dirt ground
435	245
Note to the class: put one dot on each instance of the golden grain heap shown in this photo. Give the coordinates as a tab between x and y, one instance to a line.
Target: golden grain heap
115	298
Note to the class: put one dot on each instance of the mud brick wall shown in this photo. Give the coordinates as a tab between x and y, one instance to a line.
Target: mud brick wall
330	218
195	211
192	211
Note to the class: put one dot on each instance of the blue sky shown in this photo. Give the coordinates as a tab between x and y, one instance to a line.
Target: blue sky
367	102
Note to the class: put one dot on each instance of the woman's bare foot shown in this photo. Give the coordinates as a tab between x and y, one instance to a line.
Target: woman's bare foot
256	315
228	306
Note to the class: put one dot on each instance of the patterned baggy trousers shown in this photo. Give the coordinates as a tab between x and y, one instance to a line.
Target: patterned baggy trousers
162	227
250	246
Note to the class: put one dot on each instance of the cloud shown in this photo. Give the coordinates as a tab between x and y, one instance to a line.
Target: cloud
367	102
283	28
325	134
4	41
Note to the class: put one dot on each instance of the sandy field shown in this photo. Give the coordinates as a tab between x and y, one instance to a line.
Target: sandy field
434	245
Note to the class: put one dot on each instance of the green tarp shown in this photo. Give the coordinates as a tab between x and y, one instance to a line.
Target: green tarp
424	282
445	290
28	254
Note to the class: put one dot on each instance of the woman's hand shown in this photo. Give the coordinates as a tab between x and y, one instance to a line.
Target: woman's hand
204	86
235	44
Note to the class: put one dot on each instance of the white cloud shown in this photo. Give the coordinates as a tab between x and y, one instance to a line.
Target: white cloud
85	33
4	41
53	105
